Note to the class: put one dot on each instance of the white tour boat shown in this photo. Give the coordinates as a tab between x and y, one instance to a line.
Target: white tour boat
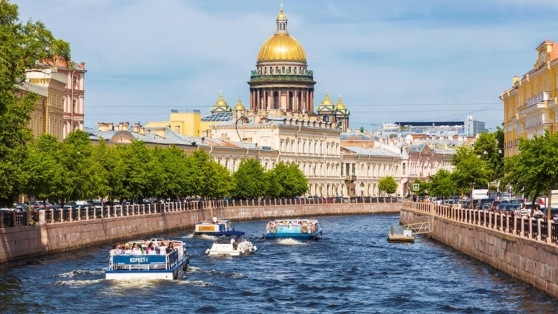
160	263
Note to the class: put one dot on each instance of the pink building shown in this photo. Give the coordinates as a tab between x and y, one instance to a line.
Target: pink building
74	94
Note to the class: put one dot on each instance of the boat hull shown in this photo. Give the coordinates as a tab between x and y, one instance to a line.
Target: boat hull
164	274
219	249
296	236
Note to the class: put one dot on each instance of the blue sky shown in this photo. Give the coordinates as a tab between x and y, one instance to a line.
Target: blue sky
398	60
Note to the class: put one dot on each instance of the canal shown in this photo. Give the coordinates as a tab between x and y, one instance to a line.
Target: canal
352	269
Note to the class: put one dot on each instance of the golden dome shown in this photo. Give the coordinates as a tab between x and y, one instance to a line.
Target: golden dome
239	106
340	105
281	47
221	102
326	101
281	15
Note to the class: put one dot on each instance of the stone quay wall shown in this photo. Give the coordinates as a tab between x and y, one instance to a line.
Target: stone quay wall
44	238
521	255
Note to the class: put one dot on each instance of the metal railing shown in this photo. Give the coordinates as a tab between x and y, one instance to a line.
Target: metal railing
541	229
52	215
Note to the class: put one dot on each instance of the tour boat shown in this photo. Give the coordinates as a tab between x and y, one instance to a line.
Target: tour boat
138	265
301	229
216	227
231	246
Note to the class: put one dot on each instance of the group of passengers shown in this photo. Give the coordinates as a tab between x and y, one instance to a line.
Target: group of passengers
305	226
153	248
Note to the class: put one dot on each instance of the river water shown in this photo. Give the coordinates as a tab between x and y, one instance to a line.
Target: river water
352	269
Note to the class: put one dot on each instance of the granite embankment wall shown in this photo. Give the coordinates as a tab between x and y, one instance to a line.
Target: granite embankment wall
45	238
529	259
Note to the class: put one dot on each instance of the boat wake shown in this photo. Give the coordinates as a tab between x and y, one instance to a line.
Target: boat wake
81	272
78	283
207	237
290	241
198	283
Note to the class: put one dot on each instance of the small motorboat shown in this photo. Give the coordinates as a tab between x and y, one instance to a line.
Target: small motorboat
231	246
216	227
300	229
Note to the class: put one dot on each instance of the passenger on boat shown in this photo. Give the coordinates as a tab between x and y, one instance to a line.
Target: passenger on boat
162	248
113	251
170	248
150	249
233	242
127	248
137	250
214	220
119	249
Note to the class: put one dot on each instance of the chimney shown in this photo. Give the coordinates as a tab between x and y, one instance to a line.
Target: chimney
161	132
136	127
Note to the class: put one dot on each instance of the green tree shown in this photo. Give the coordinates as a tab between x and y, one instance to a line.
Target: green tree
388	185
470	171
79	168
490	148
535	169
442	184
42	170
250	179
21	46
423	187
108	177
216	179
134	160
291	179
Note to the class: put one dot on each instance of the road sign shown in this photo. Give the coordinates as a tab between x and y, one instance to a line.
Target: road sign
415	186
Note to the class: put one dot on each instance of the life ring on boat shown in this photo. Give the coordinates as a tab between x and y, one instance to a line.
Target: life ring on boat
304	229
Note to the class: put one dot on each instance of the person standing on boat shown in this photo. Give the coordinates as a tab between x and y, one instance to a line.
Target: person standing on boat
162	248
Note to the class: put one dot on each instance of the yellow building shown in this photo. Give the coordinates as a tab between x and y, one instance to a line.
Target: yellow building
530	105
48	114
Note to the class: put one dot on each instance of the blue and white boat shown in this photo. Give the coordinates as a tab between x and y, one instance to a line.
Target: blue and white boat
216	227
300	229
138	265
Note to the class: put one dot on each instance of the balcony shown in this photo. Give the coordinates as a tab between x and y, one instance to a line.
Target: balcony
539	98
350	178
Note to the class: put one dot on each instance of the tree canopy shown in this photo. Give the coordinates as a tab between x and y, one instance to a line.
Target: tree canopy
534	170
388	185
21	47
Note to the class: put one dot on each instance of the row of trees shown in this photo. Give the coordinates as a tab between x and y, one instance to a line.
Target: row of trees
75	169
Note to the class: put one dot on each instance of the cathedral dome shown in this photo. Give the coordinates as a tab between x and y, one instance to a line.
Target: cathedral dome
281	46
221	102
239	106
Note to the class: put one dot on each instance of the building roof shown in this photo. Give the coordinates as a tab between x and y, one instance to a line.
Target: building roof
425	124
